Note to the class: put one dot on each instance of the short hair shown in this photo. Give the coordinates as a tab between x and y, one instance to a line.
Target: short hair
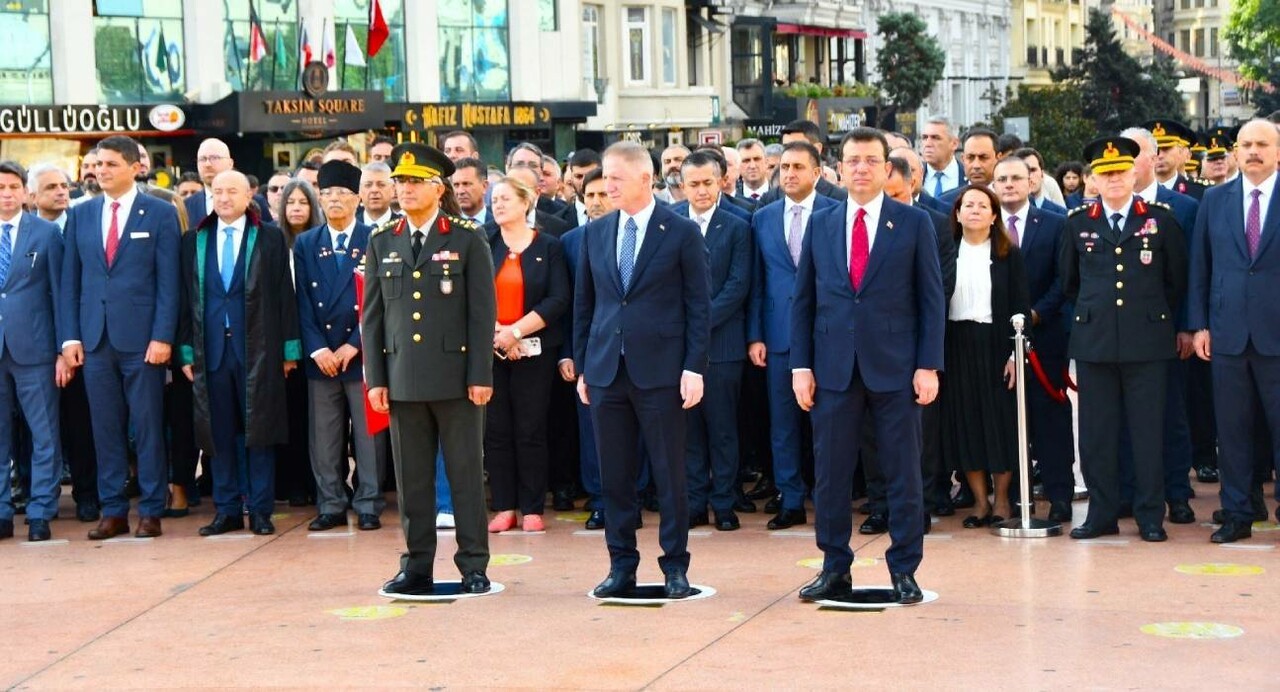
899	135
1014	158
40	169
474	164
584	157
864	134
901	167
1008	142
13	168
460	133
376	167
806	147
1139	134
982	132
774	149
547	159
1274	117
943	121
307	165
523	146
298	184
193	177
631	152
592	175
253	180
749	142
125	146
807	128
704	157
381	139
1027	153
339	145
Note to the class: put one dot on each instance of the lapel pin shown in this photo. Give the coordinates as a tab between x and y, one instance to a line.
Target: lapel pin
141	212
888	224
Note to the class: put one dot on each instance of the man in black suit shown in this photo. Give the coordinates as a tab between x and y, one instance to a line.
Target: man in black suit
805	131
458	145
582	162
641	327
712	443
376	194
979	159
753	171
470	183
528	154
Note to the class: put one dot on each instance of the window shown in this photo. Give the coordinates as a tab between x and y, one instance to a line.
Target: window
474	64
281	67
591	43
1213	42
138	45
747	64
25	70
668	47
548	15
637	30
1199	45
1184	40
386	71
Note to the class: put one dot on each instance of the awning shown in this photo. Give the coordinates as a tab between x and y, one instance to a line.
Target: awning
823	31
711	25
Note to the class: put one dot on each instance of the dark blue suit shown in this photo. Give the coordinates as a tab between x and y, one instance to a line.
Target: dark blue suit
1050	206
682	209
327	296
864	348
29	344
712	440
662	322
773	284
1233	296
115	312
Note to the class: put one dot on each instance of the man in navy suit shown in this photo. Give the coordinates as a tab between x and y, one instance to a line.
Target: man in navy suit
712	436
778	230
1235	262
1037	233
324	258
119	308
213	157
938	149
641	327
867	328
804	131
31	369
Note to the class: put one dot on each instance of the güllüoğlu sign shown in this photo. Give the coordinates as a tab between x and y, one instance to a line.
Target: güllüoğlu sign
70	119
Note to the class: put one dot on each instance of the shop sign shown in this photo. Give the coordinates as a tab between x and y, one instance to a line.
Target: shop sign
70	119
475	116
287	111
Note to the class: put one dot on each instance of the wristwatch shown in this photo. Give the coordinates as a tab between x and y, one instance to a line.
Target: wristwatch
515	331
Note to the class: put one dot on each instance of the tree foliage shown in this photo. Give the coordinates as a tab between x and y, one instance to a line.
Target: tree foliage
1116	91
1058	130
909	60
1253	36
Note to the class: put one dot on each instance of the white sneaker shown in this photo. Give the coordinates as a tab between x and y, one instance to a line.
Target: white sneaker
444	520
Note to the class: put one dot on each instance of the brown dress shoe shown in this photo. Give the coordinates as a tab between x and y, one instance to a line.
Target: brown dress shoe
148	527
109	527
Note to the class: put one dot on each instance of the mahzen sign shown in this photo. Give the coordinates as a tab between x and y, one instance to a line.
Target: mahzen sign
73	119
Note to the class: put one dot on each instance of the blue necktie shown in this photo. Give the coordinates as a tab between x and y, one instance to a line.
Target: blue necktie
341	251
228	265
627	261
937	184
6	252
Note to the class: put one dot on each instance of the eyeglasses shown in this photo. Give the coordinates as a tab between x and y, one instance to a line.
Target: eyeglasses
854	162
275	188
210	158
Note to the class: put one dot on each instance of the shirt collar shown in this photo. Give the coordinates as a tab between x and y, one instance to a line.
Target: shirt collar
642	217
425	228
125	200
1149	194
1108	212
1022	213
1268	187
1168	185
747	190
238	224
349	230
16	220
806	203
873	207
386	216
947	171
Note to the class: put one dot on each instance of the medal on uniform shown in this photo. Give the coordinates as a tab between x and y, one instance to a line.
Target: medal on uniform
446	283
1145	256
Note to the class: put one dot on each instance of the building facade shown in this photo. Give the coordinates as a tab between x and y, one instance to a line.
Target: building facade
1046	35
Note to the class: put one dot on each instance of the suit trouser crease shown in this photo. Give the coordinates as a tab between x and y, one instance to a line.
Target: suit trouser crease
712	440
227	412
31	388
1246	390
333	404
785	422
124	391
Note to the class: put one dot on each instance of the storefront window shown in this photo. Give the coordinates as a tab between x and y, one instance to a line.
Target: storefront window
474	64
24	63
279	70
386	71
138	47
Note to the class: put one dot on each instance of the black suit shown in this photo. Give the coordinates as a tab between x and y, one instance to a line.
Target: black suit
569	215
550	206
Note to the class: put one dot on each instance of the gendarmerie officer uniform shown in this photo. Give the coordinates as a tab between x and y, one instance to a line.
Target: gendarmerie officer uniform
1171	133
429	311
1126	272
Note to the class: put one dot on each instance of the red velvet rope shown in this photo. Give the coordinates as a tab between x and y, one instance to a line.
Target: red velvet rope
1058	395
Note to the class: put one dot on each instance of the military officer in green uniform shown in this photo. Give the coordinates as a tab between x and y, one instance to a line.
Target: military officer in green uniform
1124	265
428	316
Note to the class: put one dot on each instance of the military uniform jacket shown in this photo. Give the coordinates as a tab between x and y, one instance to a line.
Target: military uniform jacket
1126	288
427	325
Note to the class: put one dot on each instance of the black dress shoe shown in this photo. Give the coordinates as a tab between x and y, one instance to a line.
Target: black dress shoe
875	524
475	582
866	509
222	523
1232	530
964	499
1126	510
697	519
744	505
827	586
773	505
595	522
324	522
6	527
369	522
928	523
787	518
1180	512
1153	533
88	512
616	584
1087	530
562	501
37	530
677	585
409	584
763	489
944	509
905	589
1060	511
261	524
974	521
1206	474
727	521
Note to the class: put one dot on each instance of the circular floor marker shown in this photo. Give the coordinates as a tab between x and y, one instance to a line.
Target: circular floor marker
875	598
573	516
1220	569
816	562
1192	630
378	612
651	594
445	591
508	559
1266	526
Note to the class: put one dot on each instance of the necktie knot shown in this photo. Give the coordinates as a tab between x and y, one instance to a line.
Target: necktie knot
7	227
755	195
342	241
1115	218
860	216
1256	193
115	207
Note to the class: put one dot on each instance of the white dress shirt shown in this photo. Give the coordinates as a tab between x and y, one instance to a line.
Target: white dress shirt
1149	193
386	216
950	177
582	212
747	190
1168	184
1268	188
872	220
971	301
1108	212
703	220
1022	215
642	224
333	235
806	210
237	237
122	214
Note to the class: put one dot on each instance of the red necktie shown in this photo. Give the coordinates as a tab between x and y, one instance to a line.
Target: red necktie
113	235
859	249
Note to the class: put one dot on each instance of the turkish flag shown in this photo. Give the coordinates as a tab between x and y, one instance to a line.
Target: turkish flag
373	421
378	31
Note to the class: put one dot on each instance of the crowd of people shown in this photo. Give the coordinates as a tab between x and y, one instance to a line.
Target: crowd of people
685	331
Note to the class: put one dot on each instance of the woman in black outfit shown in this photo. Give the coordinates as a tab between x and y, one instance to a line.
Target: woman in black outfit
979	434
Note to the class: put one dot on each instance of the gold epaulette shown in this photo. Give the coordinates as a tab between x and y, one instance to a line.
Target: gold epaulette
464	223
1077	210
1162	205
384	227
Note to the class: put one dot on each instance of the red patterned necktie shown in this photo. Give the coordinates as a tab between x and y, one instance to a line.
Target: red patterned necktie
113	234
859	249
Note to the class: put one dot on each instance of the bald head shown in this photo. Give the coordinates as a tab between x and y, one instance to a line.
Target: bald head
1258	150
914	162
230	195
213	157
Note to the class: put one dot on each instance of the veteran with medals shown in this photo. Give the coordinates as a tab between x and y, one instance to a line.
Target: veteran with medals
1124	265
429	310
